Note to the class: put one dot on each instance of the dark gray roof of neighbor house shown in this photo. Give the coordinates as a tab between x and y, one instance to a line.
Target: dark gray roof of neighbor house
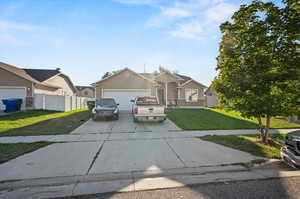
41	74
83	87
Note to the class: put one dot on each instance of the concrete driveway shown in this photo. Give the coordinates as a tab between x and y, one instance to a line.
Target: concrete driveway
125	124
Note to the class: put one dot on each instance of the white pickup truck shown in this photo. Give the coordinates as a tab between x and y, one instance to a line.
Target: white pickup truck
147	108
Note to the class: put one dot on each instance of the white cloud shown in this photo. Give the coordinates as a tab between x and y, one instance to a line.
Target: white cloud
176	12
220	12
189	19
191	30
8	39
8	26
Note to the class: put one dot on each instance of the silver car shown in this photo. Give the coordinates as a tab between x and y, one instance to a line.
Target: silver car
105	108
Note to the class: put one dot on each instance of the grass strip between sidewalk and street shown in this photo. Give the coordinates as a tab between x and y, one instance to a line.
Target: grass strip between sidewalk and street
248	143
10	151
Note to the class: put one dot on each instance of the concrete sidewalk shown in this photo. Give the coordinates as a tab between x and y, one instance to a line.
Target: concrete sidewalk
90	137
80	158
125	182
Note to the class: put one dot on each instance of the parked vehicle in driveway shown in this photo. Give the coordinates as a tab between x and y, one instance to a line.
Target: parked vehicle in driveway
105	108
147	108
290	153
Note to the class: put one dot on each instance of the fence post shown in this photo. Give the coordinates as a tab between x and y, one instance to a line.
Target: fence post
44	102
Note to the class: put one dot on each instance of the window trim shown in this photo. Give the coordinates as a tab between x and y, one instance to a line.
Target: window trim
191	89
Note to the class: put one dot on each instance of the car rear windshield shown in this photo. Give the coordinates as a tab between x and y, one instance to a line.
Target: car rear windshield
146	101
106	102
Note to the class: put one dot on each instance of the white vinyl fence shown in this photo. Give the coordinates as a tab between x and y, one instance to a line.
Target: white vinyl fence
59	103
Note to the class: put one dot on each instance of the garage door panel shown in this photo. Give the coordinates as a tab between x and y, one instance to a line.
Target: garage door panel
123	96
6	93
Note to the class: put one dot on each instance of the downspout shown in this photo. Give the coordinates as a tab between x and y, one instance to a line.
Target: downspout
32	96
156	94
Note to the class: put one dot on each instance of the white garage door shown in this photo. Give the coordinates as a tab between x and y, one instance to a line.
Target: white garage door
123	96
12	92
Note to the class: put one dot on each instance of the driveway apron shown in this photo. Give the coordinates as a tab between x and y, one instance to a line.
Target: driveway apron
135	155
59	159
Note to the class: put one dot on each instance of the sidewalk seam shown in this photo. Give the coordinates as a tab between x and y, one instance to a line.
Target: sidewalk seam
95	157
175	152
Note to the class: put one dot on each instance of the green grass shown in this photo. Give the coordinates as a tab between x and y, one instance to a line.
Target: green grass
11	151
248	144
218	119
41	122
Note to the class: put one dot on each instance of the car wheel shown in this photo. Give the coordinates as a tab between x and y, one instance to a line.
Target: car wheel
94	118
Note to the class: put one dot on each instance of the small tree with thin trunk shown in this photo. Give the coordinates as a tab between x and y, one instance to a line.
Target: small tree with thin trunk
259	62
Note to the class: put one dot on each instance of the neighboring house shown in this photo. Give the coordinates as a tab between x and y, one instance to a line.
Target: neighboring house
24	83
211	98
86	91
171	89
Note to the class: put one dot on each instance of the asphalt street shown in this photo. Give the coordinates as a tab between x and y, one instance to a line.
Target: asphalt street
257	189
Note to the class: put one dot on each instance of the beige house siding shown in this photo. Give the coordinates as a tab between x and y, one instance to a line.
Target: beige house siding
201	98
10	79
40	89
62	82
124	80
86	92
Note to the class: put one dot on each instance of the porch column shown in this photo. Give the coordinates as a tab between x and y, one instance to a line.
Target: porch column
166	94
156	94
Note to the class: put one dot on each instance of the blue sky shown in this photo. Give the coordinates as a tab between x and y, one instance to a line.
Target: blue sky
86	38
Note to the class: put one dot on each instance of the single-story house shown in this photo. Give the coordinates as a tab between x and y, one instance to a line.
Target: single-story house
24	83
171	89
85	91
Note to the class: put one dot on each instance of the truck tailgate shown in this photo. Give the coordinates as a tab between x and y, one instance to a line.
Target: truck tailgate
151	110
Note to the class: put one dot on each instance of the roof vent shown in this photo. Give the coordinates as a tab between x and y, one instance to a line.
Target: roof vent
58	69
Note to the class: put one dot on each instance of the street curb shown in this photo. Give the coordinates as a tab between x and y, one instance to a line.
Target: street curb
94	186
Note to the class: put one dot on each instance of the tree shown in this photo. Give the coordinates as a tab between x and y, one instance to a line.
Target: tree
107	74
259	62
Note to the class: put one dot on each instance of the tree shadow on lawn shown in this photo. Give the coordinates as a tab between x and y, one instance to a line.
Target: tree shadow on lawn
248	143
26	115
54	126
205	119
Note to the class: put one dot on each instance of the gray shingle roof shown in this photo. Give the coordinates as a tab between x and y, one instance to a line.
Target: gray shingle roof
41	74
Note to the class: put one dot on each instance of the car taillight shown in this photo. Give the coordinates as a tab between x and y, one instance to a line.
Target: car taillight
135	110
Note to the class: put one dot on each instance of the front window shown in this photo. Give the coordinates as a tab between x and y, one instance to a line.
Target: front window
146	101
106	102
191	95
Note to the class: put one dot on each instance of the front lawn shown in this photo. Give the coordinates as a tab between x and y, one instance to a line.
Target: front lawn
218	119
11	151
41	122
248	143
